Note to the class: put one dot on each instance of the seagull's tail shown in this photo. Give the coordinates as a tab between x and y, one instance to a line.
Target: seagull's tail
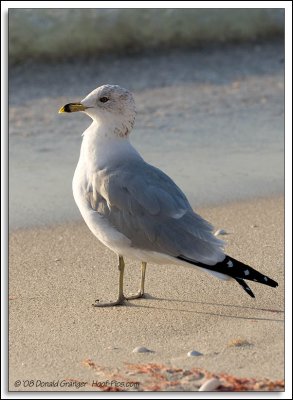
237	270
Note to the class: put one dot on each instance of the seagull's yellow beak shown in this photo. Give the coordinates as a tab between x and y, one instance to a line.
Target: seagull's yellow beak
72	107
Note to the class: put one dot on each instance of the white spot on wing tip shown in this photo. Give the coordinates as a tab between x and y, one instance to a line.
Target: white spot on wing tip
230	264
265	279
246	272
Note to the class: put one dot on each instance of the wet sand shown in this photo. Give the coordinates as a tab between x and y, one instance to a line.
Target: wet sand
211	118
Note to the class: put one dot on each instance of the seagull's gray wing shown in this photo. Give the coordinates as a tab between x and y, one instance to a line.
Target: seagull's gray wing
145	205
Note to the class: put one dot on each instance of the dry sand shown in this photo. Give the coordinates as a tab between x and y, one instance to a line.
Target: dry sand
56	273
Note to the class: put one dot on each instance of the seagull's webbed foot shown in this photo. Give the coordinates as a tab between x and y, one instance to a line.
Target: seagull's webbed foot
119	302
121	298
133	296
140	293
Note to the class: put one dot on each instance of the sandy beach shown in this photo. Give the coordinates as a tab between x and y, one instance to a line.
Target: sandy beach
55	334
213	119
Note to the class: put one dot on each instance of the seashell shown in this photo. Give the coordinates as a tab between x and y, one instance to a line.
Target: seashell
221	232
194	353
141	349
210	385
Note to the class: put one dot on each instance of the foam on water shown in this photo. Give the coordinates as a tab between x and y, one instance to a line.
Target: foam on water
64	33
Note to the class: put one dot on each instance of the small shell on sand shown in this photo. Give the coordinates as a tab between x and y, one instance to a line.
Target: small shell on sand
141	349
210	385
221	232
194	353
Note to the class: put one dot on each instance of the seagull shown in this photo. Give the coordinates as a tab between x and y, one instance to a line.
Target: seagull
134	208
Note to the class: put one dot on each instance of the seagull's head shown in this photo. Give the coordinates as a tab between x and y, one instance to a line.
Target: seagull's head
111	105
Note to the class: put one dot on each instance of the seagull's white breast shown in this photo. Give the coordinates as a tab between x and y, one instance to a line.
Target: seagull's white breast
97	150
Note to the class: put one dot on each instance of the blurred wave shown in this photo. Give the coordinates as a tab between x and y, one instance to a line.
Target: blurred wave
47	34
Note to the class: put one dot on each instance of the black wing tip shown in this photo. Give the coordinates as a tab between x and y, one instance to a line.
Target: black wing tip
240	272
245	287
269	282
254	275
250	293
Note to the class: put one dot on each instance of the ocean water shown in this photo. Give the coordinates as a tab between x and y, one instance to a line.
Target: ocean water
212	119
57	34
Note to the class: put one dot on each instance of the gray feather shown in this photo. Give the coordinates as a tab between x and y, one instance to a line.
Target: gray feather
145	205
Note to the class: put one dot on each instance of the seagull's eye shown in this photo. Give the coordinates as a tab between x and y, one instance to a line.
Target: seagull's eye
104	99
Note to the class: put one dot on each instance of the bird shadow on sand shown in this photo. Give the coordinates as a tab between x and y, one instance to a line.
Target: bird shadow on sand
216	304
159	307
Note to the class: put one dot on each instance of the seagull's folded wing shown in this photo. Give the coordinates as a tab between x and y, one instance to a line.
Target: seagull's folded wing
146	206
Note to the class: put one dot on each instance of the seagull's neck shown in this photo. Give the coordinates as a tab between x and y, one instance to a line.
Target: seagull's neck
100	145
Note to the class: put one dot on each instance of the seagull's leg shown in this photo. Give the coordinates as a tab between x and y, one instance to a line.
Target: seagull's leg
121	297
140	293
